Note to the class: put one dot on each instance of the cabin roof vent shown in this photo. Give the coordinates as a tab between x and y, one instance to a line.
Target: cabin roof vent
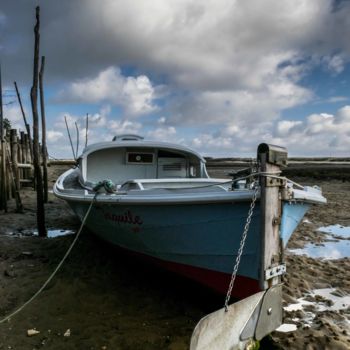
127	137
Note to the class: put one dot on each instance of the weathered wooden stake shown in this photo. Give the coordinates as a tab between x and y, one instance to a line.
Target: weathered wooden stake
70	139
14	155
78	137
86	129
271	159
3	190
36	150
261	313
13	170
43	130
27	126
21	159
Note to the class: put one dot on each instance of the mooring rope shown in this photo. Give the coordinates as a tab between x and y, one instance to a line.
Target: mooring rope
56	269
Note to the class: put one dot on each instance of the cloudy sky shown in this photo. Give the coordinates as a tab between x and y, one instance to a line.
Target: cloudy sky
220	76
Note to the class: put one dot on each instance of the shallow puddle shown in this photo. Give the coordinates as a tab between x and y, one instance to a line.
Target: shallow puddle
286	327
327	250
336	230
337	247
50	233
58	233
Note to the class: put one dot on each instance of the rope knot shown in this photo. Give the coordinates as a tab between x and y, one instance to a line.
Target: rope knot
108	185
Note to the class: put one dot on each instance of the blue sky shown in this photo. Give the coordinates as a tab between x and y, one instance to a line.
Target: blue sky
220	76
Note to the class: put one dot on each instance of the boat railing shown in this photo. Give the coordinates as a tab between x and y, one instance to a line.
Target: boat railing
149	184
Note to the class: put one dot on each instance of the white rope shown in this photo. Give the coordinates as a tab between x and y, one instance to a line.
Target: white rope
271	174
56	269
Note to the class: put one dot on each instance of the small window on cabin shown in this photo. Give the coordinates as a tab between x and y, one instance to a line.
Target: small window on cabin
168	154
139	158
193	171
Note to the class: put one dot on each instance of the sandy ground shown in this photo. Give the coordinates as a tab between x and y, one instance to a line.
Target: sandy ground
109	301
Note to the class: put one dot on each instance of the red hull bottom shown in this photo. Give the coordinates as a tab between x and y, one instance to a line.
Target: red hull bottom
215	280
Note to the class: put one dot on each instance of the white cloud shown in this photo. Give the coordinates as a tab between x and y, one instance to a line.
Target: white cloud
317	123
13	113
135	94
334	63
96	132
216	44
284	127
236	106
236	65
322	134
54	136
208	141
161	120
343	116
71	120
319	135
163	134
119	127
335	99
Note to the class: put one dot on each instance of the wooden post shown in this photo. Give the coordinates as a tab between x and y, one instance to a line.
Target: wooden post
14	156
26	173
70	139
28	158
1	111
86	129
271	159
25	120
36	150
3	177
43	130
13	170
30	172
78	137
21	155
3	190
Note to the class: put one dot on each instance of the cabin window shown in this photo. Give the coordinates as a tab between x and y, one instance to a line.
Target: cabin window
139	158
193	171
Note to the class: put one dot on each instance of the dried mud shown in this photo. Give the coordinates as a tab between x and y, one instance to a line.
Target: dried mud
110	301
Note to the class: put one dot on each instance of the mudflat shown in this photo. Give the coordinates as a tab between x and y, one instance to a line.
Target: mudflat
103	299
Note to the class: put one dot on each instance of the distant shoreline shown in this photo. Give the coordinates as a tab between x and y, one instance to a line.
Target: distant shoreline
317	168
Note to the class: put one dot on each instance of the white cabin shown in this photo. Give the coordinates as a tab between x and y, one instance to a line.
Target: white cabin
130	157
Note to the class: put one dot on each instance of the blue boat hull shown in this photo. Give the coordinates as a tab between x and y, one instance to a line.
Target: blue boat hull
200	241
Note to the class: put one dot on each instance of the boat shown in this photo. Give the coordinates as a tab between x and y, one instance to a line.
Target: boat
157	201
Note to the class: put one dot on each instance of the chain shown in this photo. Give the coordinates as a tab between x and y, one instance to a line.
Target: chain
241	246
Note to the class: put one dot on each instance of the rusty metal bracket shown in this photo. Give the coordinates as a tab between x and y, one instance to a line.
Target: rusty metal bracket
275	271
275	182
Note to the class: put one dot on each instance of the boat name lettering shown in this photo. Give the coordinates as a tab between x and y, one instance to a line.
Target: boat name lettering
127	218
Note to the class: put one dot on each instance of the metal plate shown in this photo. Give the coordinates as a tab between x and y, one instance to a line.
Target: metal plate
221	330
275	271
248	331
270	316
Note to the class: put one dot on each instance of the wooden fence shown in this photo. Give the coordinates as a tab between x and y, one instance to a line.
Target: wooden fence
16	167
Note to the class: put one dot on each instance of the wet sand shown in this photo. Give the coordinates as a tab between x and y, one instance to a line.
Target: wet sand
110	301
